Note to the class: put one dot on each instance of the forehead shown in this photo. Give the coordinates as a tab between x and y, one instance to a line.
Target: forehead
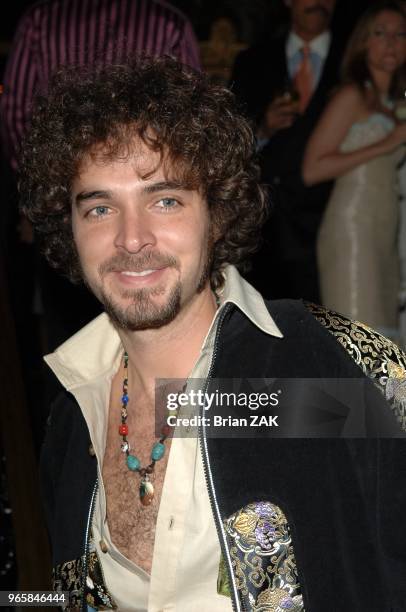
135	157
134	152
389	18
299	5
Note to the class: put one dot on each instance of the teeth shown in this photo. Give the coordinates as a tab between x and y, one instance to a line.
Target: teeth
143	273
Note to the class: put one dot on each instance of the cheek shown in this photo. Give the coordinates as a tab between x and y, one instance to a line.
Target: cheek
401	47
375	50
195	245
374	44
90	247
78	236
79	241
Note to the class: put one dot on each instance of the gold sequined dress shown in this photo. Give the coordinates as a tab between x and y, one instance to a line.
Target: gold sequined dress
357	244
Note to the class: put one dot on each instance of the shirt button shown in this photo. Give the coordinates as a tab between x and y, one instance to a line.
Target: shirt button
92	452
276	180
103	546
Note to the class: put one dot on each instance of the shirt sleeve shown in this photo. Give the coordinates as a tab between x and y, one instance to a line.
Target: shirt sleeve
20	83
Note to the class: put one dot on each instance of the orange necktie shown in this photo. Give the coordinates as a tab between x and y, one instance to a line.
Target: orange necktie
304	78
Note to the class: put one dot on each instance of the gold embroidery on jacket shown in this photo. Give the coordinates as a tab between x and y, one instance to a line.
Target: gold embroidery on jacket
97	595
263	559
379	358
68	577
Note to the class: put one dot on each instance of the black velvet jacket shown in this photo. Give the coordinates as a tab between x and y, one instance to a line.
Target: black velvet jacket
304	524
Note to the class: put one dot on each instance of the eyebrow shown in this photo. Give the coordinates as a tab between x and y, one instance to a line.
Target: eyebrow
83	196
162	185
98	194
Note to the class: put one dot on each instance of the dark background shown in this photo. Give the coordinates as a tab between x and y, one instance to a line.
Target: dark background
251	17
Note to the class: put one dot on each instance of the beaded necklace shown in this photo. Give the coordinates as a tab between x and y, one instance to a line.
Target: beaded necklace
146	489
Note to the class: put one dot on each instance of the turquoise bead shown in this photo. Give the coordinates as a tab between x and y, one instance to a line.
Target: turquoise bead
133	463
158	451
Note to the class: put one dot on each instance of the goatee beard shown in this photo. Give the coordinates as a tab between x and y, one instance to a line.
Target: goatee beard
142	312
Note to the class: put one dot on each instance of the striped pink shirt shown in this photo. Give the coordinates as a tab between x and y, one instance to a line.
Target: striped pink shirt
57	32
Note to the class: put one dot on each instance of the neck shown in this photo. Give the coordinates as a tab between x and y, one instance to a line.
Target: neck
172	350
382	80
304	35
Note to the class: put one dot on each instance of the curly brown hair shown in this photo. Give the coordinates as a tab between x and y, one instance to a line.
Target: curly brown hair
174	110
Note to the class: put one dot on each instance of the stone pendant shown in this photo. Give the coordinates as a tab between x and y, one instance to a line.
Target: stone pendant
146	491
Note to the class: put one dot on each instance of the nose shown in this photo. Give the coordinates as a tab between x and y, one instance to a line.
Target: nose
391	39
134	232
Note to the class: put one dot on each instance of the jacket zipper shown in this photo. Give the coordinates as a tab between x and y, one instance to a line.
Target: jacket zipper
237	607
210	487
87	533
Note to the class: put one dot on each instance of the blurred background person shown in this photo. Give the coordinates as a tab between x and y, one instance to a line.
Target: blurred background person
53	33
219	51
283	84
358	142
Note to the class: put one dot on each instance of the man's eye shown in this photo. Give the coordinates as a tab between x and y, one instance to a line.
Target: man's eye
167	204
98	211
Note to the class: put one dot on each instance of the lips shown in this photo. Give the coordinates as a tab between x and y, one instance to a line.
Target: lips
138	265
137	274
145	277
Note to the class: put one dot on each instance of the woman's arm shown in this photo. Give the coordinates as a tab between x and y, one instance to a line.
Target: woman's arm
323	159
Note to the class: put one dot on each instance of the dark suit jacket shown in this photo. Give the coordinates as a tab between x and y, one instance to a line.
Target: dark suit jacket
260	73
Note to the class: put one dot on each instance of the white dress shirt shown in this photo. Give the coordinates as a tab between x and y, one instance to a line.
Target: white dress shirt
319	48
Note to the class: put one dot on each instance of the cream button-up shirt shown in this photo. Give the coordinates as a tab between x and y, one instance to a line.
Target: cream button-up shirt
187	551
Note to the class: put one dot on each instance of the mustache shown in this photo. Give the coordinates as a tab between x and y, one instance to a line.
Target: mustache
318	8
137	263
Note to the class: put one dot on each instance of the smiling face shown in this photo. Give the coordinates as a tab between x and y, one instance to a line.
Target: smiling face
143	240
386	43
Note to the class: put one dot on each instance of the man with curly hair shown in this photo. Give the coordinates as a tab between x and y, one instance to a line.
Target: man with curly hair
141	180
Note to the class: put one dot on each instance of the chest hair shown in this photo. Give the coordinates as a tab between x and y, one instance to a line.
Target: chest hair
132	525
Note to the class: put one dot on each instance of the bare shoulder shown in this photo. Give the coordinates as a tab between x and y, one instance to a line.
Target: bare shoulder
345	108
349	99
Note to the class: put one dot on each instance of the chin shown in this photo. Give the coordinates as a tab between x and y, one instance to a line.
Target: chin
144	311
317	27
